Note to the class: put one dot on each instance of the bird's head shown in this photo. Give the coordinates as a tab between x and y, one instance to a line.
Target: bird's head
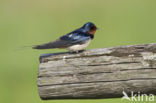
89	28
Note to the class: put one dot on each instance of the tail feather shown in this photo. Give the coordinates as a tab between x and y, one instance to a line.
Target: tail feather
54	44
44	46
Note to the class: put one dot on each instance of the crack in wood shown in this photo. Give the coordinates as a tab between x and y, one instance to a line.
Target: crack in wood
98	73
98	82
88	73
110	64
69	74
137	69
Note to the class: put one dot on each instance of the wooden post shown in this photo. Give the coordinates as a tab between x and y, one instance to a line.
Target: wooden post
98	73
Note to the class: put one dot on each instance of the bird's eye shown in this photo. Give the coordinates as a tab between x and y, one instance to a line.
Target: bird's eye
93	28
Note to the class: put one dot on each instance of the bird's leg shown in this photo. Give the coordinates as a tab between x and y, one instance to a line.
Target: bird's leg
72	52
76	52
81	50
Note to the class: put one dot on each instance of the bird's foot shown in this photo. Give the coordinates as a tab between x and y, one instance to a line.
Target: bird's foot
76	52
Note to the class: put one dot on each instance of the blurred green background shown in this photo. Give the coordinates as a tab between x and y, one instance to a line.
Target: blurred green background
29	22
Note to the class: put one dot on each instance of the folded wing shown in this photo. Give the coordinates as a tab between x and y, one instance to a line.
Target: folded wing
65	41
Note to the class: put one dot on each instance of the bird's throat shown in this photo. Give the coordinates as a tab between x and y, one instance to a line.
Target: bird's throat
92	32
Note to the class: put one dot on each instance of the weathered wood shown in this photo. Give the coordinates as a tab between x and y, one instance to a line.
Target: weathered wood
98	73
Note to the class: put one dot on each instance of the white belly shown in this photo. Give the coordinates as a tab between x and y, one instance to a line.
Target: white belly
78	47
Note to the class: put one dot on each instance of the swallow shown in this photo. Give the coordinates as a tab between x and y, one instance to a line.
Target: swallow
74	41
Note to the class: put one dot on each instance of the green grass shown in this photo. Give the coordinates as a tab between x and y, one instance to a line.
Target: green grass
29	22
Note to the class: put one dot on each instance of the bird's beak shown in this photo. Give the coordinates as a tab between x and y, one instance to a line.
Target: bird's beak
97	28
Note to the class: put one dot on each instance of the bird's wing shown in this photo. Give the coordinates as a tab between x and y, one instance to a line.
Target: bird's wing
75	38
65	41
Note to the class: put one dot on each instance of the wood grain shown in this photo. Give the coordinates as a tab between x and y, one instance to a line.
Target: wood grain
98	73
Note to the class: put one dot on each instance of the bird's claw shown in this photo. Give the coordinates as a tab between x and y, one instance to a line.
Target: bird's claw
76	52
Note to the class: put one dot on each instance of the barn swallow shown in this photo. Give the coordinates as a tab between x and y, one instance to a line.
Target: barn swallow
74	41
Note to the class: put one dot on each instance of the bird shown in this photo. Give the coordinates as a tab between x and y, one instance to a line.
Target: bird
74	41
